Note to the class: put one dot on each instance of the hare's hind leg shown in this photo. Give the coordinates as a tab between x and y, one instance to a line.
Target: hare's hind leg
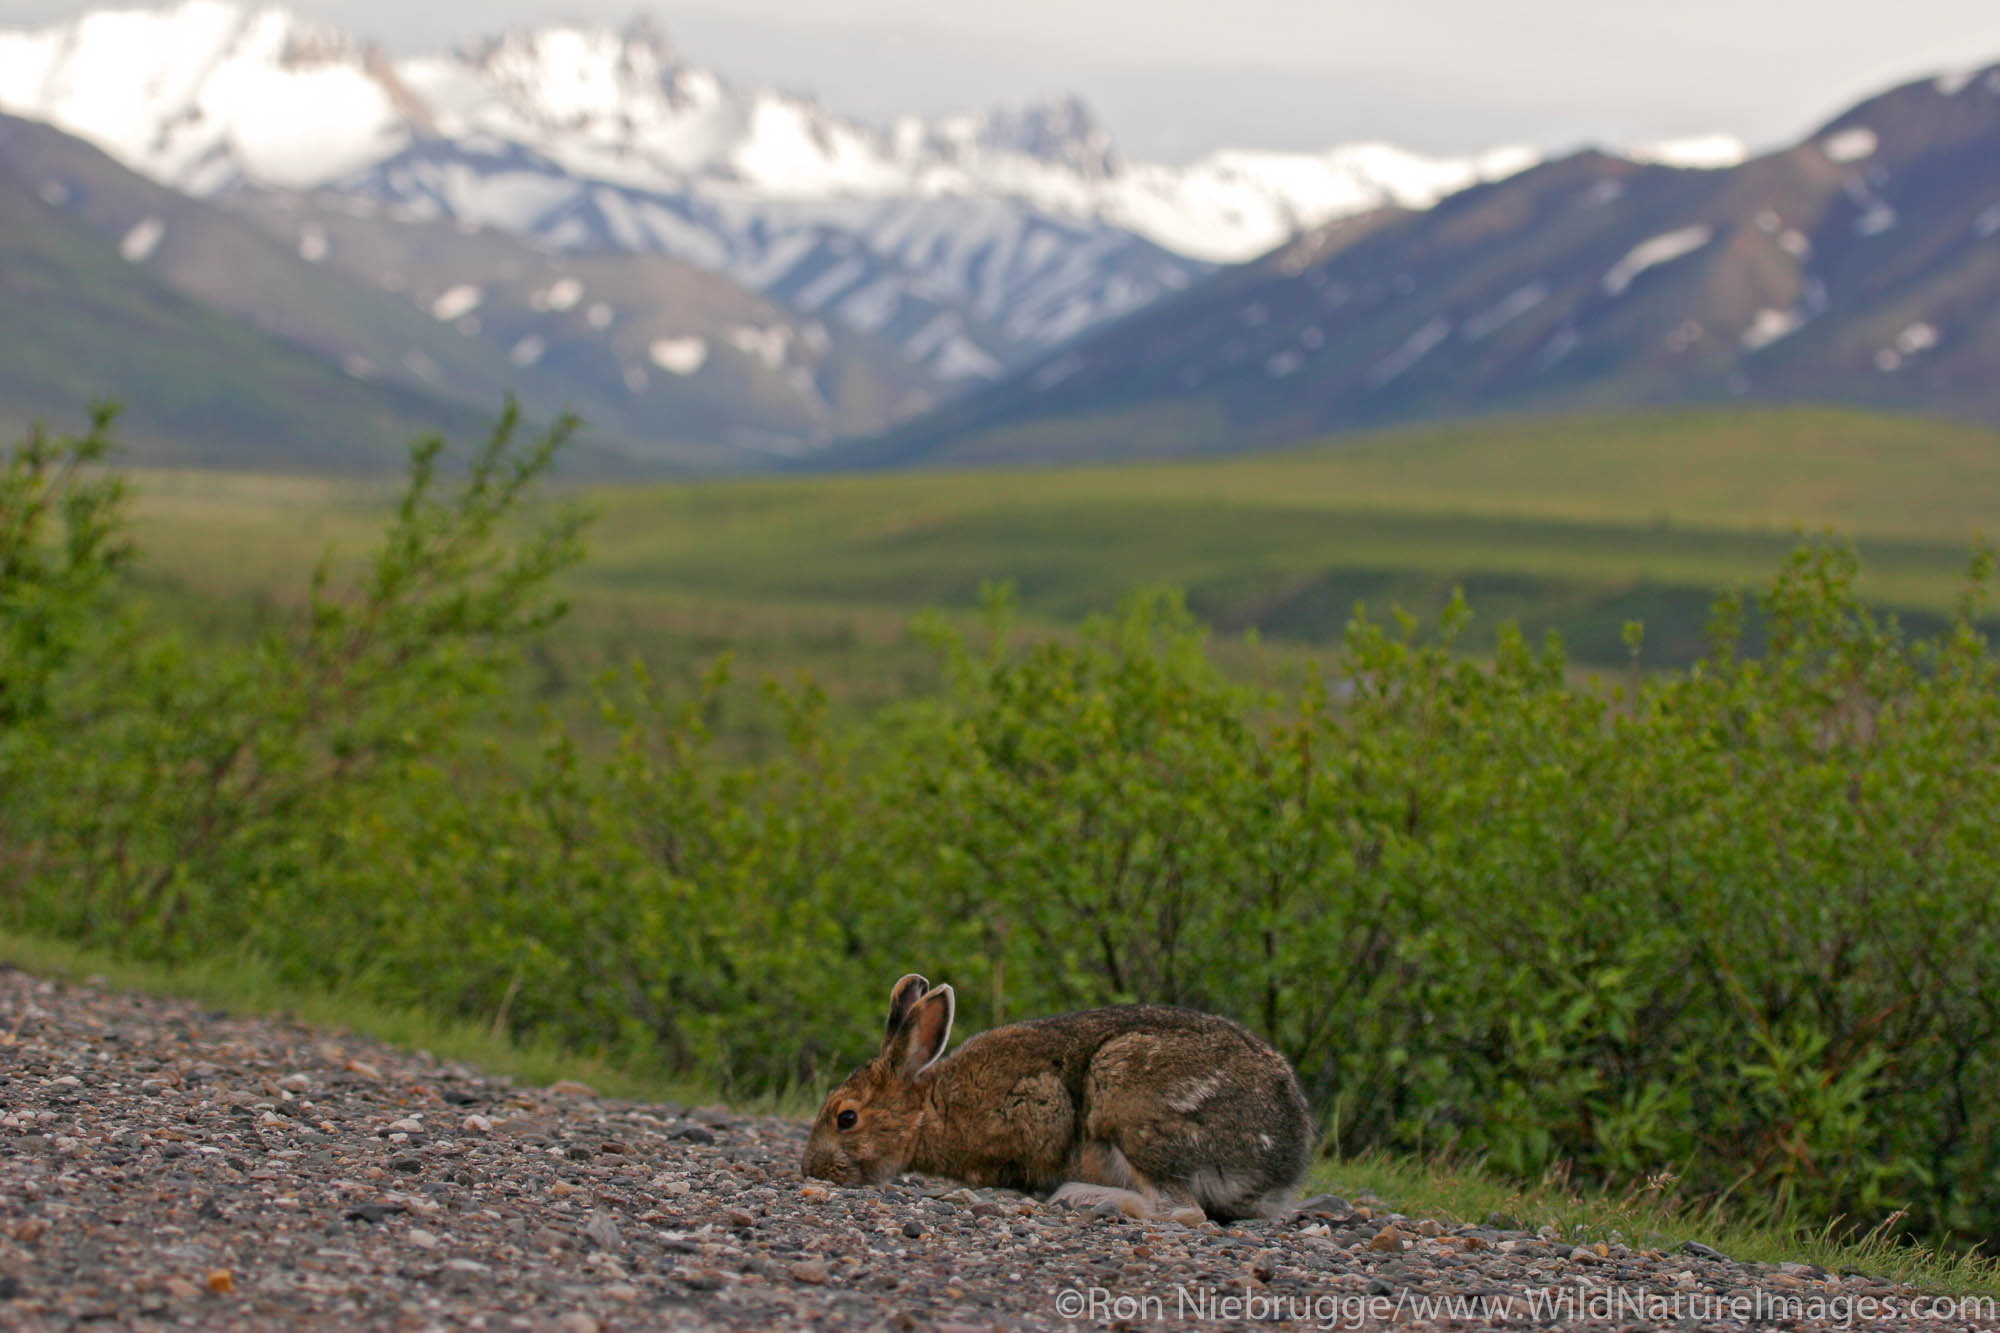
1102	1174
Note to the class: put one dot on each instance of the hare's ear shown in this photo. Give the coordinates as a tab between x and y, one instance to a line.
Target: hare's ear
903	997
921	1038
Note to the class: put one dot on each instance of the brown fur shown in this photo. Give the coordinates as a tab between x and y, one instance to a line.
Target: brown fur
1154	1108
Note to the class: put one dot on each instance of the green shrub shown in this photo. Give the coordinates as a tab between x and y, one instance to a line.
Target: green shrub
1735	922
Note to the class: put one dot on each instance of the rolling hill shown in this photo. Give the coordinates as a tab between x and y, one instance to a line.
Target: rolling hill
464	315
86	320
1574	523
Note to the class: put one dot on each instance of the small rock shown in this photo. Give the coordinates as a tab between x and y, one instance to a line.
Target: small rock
1584	1256
220	1281
623	1292
811	1273
1701	1251
406	1126
576	1321
422	1239
737	1217
602	1229
1429	1230
408	1164
913	1229
569	1087
373	1212
295	1083
181	1289
365	1070
476	1124
1388	1241
694	1134
466	1266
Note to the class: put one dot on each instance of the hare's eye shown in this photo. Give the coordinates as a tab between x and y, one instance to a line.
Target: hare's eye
845	1120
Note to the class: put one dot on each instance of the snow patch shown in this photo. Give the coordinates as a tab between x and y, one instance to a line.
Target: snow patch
527	351
1413	350
142	240
1603	192
1662	249
456	302
1769	325
830	284
1055	372
1917	337
313	244
963	359
1698	152
766	345
680	356
1849	145
1795	243
1505	311
599	316
1877	218
1954	81
562	294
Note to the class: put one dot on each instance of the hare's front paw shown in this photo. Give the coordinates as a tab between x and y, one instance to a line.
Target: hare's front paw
1132	1203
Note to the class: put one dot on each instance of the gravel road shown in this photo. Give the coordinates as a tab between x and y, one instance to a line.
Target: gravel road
162	1166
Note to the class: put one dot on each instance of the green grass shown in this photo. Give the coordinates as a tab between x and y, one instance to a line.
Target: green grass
1574	525
242	984
1650	1216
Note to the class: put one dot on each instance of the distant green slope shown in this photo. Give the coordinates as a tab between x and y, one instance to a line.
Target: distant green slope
1574	524
83	323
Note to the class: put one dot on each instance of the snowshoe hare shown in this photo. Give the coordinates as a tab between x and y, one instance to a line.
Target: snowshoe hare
1156	1110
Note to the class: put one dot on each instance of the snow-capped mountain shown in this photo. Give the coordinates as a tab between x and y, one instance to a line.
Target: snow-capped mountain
1860	265
974	243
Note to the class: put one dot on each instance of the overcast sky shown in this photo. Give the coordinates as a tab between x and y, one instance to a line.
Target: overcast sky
1174	78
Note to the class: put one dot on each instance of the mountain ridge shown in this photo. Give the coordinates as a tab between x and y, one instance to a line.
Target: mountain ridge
1859	265
974	242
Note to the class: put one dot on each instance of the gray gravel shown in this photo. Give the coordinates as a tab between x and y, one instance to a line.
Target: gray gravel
162	1166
